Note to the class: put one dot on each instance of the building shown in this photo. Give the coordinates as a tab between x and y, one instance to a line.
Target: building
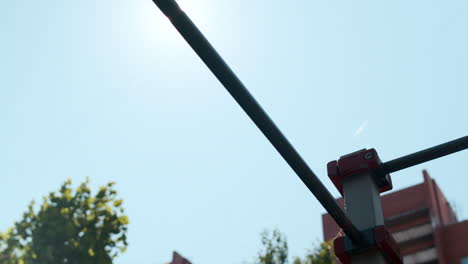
178	259
422	222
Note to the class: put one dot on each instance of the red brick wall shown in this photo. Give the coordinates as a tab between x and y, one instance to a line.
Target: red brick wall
433	204
451	240
408	199
445	212
455	239
178	259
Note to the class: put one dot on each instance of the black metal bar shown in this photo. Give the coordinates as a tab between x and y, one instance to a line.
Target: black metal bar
423	156
226	76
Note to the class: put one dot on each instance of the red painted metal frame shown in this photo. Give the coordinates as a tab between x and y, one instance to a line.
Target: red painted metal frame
358	162
382	240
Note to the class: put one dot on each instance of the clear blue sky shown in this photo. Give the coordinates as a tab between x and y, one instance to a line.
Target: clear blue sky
108	89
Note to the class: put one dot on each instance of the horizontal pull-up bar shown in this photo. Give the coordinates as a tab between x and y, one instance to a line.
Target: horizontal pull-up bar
423	156
252	108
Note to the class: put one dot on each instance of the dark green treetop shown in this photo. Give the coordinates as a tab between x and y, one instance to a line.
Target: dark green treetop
70	226
275	251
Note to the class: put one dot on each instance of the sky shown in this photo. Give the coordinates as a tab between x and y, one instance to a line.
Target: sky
109	90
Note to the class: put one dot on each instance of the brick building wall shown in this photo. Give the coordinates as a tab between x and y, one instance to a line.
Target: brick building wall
178	259
422	222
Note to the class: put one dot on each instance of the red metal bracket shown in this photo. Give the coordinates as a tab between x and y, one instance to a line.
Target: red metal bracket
377	238
358	162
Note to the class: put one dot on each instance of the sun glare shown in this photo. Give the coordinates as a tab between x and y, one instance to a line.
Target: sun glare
189	6
197	10
162	33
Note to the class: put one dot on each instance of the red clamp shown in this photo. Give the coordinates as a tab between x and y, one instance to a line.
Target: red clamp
377	237
358	162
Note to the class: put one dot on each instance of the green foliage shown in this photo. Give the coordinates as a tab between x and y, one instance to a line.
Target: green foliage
275	251
71	226
323	254
275	248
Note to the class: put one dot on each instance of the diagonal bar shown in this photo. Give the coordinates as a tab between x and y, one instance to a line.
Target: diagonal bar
239	92
423	156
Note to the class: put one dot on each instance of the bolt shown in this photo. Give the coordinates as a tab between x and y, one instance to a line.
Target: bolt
369	155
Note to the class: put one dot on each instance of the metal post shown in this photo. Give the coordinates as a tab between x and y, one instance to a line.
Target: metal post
353	176
364	208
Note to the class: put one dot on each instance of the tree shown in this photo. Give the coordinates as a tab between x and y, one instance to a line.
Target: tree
71	226
322	254
275	248
275	251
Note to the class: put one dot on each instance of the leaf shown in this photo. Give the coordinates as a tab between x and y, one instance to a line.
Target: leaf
73	225
123	220
118	203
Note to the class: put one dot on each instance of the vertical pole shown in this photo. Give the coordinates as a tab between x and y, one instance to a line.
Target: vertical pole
364	208
354	177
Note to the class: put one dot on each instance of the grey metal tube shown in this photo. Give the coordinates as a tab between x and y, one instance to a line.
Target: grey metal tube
423	156
226	76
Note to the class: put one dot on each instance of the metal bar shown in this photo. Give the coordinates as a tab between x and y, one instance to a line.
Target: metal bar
423	156
364	207
226	76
